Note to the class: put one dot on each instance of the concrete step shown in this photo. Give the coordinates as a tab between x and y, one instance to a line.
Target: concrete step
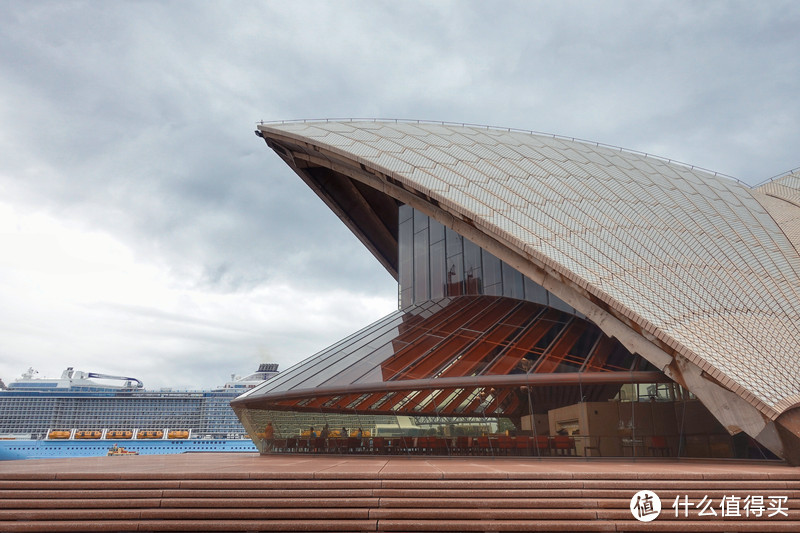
335	502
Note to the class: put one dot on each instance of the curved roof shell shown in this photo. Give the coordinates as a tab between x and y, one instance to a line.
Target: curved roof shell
694	259
701	267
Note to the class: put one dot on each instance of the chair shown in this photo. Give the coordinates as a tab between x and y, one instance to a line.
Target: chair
379	445
505	444
353	444
304	445
425	445
523	445
291	445
659	443
541	443
438	445
564	445
462	445
485	446
337	445
319	444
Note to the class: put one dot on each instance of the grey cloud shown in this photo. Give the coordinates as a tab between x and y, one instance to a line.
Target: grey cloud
137	118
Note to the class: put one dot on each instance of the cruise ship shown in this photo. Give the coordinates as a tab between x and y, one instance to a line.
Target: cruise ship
84	414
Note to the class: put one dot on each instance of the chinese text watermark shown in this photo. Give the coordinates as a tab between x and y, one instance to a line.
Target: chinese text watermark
646	506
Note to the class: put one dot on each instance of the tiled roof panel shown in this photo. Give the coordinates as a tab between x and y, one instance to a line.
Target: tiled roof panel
693	256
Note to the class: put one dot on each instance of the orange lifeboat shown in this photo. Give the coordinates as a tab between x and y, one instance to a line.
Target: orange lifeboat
88	434
178	434
119	434
58	434
150	434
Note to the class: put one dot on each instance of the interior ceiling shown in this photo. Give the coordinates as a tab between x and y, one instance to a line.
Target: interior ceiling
369	213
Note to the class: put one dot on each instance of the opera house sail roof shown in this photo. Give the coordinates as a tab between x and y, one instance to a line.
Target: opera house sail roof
695	274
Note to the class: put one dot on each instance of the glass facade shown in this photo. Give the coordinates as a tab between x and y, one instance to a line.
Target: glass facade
437	262
478	359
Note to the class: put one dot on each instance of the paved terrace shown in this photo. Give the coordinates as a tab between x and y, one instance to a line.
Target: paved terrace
247	492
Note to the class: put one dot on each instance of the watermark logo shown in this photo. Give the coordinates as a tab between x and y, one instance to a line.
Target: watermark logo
645	506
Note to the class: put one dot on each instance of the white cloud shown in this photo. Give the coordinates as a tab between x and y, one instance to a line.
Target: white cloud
73	297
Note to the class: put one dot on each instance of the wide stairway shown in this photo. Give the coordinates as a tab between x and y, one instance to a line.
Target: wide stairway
496	498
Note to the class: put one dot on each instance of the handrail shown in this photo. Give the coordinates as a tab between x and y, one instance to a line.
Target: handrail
776	177
516	130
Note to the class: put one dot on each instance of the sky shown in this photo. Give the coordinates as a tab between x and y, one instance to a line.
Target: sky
146	231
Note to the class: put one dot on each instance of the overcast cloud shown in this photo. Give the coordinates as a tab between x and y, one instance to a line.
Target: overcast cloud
145	230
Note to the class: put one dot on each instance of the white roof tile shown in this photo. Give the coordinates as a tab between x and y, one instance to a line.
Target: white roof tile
695	259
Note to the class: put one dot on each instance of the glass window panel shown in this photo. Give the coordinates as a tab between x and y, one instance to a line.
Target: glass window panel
405	244
455	275
620	359
492	271
585	343
494	290
420	221
512	283
438	269
361	367
421	267
406	297
548	338
454	243
404	213
557	303
535	293
436	231
297	375
472	268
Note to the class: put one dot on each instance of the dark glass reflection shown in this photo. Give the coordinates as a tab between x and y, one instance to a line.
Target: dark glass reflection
436	262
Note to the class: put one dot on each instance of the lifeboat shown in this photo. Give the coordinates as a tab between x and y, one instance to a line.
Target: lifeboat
178	434
58	434
150	434
88	434
119	434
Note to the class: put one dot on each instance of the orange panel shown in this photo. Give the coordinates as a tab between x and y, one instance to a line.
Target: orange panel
405	357
473	405
423	368
319	400
598	358
498	399
508	328
508	360
436	318
342	403
562	346
513	403
457	401
448	320
369	401
464	315
456	342
399	397
436	401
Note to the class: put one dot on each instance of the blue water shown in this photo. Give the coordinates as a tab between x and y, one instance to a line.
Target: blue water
41	449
